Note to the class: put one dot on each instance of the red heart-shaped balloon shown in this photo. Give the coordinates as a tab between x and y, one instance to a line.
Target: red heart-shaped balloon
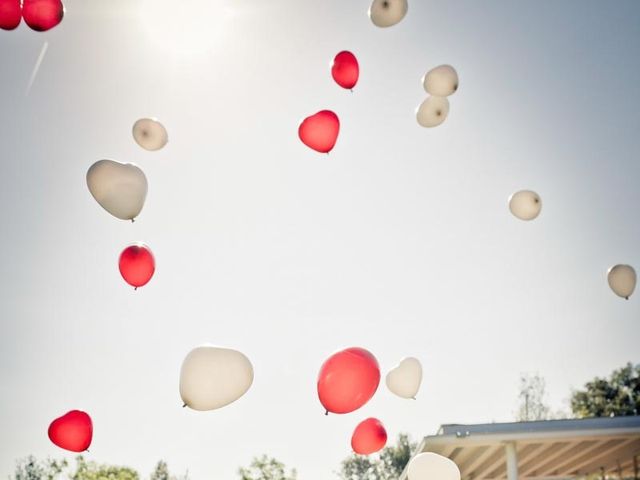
347	380
137	264
345	70
42	15
10	14
320	131
72	431
369	437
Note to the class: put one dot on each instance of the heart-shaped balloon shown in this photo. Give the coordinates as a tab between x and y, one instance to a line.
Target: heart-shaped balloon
10	14
212	377
150	134
119	188
404	380
432	112
441	81
386	13
320	131
347	380
137	264
525	204
42	15
429	465
72	431
622	280
369	437
345	70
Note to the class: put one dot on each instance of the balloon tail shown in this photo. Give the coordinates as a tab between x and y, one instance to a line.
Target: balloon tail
135	289
326	413
414	398
626	298
87	450
184	405
133	220
351	90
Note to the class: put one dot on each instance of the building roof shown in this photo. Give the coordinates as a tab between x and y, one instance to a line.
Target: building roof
546	449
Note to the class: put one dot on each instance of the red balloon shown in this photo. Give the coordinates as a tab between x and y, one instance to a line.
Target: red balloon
369	437
345	70
42	15
347	380
72	431
320	131
137	264
10	14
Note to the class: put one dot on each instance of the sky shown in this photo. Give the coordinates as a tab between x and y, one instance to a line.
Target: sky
400	241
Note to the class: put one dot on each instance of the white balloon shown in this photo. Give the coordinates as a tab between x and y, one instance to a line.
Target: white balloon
119	188
150	134
212	377
441	81
385	13
404	379
525	204
431	466
433	111
622	280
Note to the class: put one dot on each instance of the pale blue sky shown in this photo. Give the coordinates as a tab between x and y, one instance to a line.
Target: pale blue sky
400	241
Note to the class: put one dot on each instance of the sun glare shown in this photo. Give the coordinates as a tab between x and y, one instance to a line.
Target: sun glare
186	27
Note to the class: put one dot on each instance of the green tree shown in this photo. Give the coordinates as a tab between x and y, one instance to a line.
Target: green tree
93	471
266	468
161	472
387	466
32	469
616	396
532	395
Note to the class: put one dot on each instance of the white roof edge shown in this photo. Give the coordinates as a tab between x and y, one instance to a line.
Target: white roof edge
498	438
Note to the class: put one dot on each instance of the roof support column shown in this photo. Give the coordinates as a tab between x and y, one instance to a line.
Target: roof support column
512	460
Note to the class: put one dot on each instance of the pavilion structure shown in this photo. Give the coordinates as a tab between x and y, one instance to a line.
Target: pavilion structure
541	450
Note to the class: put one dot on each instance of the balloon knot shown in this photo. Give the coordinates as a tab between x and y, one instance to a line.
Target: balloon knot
184	405
326	413
351	89
413	398
135	288
133	220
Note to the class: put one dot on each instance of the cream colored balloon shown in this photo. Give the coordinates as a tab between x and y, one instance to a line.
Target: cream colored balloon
386	13
119	188
441	81
150	134
212	377
404	380
433	111
622	280
525	204
431	466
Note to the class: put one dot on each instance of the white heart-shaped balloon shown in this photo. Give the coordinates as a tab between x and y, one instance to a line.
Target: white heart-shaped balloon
622	280
441	81
150	134
431	466
212	377
404	380
119	188
525	204
433	111
386	13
